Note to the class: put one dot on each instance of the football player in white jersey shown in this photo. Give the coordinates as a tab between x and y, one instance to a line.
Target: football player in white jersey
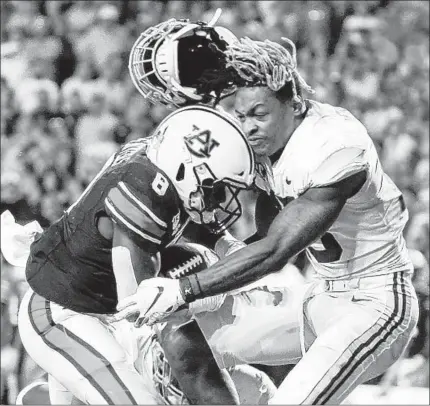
357	317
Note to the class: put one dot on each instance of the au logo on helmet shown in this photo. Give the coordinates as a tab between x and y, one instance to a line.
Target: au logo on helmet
200	142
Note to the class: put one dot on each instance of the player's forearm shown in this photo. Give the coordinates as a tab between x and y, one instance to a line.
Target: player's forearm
131	264
291	232
239	269
248	265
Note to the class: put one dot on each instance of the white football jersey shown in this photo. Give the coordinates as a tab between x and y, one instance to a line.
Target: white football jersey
328	146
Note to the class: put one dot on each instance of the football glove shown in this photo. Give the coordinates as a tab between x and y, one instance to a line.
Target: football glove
154	300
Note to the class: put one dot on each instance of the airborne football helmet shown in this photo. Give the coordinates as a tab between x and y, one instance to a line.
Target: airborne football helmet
168	60
206	156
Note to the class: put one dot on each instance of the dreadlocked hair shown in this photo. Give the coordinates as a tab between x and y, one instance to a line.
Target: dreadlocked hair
267	63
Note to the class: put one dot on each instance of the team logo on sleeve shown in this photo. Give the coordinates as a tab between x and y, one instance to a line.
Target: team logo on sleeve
200	142
176	222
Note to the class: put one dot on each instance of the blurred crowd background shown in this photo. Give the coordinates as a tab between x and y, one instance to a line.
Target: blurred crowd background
67	103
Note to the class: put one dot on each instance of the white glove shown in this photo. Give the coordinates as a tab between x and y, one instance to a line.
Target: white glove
154	300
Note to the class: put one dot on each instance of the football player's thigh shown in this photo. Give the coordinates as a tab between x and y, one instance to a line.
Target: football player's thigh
355	341
82	354
104	362
258	326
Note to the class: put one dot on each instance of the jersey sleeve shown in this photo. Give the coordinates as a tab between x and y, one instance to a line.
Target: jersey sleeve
142	210
340	164
341	154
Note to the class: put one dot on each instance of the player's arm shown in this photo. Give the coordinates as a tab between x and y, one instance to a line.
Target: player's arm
137	233
300	223
131	263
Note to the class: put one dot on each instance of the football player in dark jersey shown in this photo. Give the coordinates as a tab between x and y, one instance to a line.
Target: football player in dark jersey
253	386
105	244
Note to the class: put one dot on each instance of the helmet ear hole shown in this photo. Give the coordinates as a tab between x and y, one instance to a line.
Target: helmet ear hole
219	193
207	182
181	173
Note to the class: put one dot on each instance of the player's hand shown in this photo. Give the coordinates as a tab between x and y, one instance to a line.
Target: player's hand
154	300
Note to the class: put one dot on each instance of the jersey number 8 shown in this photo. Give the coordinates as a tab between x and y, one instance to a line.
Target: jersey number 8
160	184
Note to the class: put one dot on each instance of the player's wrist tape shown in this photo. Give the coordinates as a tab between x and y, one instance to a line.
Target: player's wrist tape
190	288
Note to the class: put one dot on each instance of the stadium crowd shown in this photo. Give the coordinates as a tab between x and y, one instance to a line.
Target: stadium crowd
67	103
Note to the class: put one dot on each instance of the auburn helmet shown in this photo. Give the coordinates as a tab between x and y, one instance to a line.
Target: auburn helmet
206	156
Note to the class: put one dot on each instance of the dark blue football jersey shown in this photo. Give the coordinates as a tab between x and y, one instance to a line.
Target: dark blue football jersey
71	262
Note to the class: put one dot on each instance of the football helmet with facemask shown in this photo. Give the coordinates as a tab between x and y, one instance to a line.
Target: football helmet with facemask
206	156
168	60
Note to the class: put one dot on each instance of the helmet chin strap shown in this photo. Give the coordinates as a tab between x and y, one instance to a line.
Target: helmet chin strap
192	26
215	18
